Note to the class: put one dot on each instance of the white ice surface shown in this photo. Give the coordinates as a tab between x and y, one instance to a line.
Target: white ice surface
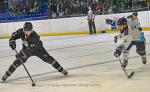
89	60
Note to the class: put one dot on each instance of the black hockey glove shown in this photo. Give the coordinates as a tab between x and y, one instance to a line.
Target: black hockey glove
20	55
115	39
12	45
117	53
140	28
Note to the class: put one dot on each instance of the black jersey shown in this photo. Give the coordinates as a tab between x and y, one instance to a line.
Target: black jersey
31	42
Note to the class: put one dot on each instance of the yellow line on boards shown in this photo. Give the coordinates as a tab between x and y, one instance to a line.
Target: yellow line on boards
74	33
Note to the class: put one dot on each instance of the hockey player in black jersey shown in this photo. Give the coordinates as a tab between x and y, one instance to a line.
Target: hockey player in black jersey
32	46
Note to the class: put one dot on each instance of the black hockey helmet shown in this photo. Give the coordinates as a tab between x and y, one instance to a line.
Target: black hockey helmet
27	26
122	21
135	13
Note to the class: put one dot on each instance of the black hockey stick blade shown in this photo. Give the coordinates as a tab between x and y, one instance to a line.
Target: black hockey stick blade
130	76
33	84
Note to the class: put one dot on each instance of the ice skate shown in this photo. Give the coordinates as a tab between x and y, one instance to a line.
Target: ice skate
144	60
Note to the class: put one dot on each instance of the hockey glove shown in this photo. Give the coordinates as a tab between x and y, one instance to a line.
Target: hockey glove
115	39
140	28
117	53
21	55
12	44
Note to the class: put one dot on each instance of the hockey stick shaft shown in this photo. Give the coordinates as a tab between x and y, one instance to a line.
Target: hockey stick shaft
25	68
123	68
128	76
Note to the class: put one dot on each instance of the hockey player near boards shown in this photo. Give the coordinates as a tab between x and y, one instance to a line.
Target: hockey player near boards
132	34
32	46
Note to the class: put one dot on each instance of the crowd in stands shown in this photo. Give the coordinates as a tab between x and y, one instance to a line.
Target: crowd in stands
21	7
62	8
67	8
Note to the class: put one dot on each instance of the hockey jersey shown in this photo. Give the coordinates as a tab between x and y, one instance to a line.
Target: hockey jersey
31	43
134	34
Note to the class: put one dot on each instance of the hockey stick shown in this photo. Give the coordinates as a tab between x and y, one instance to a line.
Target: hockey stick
127	75
33	83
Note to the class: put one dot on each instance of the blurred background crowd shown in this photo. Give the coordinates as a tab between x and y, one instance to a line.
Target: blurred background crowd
49	9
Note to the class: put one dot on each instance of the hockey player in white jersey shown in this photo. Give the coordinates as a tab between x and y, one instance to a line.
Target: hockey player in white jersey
132	34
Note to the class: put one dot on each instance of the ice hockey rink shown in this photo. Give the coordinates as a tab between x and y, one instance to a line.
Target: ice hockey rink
89	60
